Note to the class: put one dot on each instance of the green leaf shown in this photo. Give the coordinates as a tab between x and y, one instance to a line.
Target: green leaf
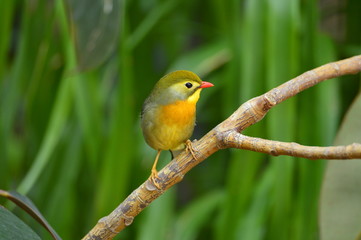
252	225
205	59
148	23
96	28
196	216
11	227
340	212
27	205
59	112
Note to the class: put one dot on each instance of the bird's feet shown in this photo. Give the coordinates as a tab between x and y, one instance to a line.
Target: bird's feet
190	149
154	178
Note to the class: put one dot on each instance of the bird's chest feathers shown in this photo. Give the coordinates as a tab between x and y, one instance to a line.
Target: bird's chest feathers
178	114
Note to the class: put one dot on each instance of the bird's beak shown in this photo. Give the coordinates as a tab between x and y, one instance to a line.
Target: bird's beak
206	85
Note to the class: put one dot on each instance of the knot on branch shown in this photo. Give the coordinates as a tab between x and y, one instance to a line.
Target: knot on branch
353	151
107	225
128	220
271	99
228	139
337	69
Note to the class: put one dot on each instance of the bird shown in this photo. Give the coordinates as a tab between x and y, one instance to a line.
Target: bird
169	113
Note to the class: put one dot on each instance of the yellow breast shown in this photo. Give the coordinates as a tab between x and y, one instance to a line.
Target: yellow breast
172	126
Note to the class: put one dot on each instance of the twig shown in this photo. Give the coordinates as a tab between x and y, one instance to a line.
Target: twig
275	148
226	135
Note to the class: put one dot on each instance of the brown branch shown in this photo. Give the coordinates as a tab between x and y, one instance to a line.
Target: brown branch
234	139
246	115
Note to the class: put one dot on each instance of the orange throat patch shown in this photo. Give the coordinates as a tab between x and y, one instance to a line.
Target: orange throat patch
180	113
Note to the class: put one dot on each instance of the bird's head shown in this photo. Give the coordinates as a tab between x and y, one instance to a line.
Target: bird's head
178	86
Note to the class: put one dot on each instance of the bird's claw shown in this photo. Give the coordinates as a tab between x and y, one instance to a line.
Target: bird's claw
190	149
154	178
154	174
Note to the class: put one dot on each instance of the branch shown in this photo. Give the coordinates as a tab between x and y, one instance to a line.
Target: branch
246	115
234	139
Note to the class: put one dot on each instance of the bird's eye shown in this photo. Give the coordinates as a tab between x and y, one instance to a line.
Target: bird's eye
189	85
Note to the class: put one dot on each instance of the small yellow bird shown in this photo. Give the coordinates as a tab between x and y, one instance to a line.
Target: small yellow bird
169	113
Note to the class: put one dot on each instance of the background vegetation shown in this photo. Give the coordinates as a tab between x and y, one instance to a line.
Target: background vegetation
73	79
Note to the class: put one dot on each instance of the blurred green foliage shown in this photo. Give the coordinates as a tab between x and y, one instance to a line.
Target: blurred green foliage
74	74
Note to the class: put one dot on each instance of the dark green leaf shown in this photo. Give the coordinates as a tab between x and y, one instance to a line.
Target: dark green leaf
26	204
12	228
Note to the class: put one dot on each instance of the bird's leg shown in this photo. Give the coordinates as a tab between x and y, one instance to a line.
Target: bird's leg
189	148
154	168
154	173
